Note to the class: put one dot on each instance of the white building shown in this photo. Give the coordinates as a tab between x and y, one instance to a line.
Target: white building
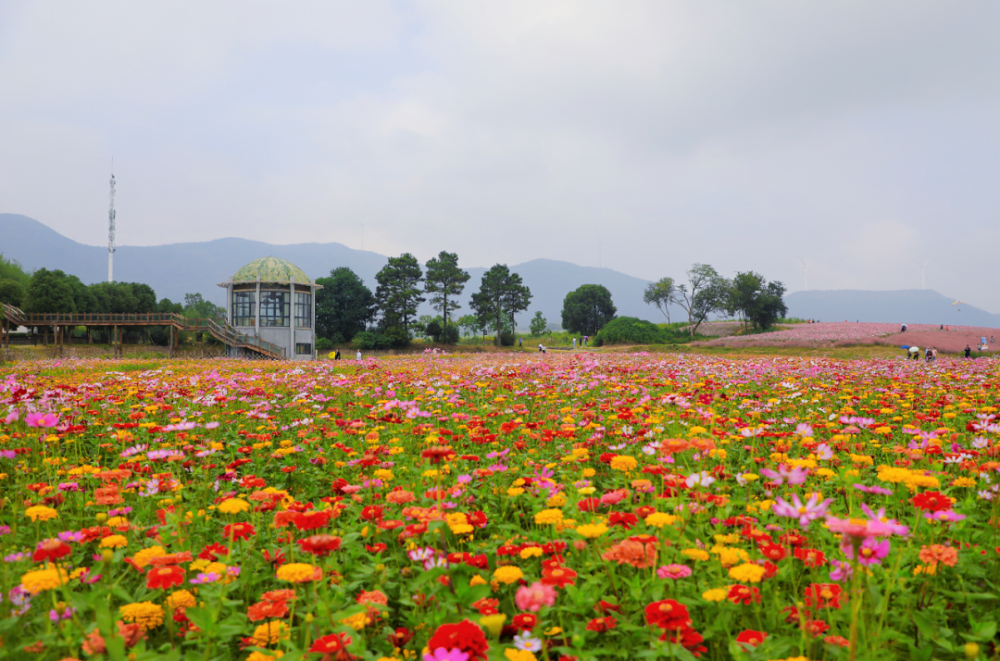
274	300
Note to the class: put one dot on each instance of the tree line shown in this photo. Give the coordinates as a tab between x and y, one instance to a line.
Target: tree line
347	310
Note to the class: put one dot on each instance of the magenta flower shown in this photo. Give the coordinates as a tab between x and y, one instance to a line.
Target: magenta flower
444	654
793	476
944	515
533	597
874	526
674	572
13	416
882	491
805	513
871	551
42	420
842	570
210	577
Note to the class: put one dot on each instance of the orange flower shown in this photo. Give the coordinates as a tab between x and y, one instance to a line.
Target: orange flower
632	553
267	609
936	553
164	577
171	559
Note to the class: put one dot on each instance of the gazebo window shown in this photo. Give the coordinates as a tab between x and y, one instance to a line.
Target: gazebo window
243	308
303	310
274	308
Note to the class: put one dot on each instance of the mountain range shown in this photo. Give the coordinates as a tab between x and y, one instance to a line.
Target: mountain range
175	269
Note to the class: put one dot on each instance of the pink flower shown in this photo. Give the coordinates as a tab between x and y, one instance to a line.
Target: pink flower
613	497
871	551
533	597
944	515
42	419
13	416
807	513
444	654
873	489
674	571
794	476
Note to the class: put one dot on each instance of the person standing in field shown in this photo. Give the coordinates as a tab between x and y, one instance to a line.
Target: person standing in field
358	357
968	351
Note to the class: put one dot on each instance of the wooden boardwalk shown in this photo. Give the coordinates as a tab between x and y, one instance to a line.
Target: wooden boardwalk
223	332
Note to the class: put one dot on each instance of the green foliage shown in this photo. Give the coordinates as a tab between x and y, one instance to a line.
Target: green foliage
398	293
11	292
445	283
369	341
757	301
538	324
397	336
449	334
507	339
324	344
196	307
705	293
434	331
587	309
661	294
469	324
631	330
166	305
344	307
11	269
49	291
501	296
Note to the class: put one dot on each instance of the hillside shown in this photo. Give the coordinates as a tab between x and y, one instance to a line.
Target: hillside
175	269
910	306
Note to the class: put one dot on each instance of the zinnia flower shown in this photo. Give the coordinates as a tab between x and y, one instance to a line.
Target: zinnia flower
533	597
299	572
464	636
145	613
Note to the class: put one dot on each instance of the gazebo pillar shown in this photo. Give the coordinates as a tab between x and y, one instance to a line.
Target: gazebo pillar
256	309
291	313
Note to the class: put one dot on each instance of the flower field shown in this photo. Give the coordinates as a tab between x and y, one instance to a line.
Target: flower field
450	508
827	331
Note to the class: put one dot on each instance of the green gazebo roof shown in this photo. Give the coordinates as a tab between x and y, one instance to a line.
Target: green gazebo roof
271	269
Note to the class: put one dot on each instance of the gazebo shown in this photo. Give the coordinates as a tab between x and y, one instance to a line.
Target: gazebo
274	300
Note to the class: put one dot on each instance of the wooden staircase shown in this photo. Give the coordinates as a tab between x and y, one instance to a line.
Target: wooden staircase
220	331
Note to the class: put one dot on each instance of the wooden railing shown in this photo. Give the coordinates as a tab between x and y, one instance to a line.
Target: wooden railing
220	331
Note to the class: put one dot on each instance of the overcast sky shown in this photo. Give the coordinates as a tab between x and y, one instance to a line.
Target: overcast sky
860	136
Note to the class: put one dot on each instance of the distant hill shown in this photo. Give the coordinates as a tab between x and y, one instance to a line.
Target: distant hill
176	269
910	306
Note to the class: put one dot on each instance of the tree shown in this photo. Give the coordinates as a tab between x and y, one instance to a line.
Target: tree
707	293
49	291
344	307
83	298
12	269
398	291
468	323
113	297
196	307
168	306
501	296
145	297
587	309
757	301
11	292
661	294
445	283
538	324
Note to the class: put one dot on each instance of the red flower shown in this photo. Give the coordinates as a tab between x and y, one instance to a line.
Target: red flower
741	594
164	577
558	576
376	548
277	559
267	609
601	624
235	531
773	552
932	501
311	520
465	636
687	637
320	545
823	595
400	637
213	551
486	606
623	519
793	539
667	614
589	504
811	557
816	627
840	641
478	519
51	549
438	453
524	621
371	513
606	607
335	644
752	638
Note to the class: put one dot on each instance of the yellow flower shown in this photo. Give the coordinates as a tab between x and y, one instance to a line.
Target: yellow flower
114	542
296	572
750	477
270	633
747	573
493	623
514	491
530	552
356	621
964	482
40	513
43	579
116	521
270	656
660	519
557	500
893	475
508	574
718	594
695	554
624	463
180	599
514	654
548	516
590	530
142	558
234	506
477	580
145	613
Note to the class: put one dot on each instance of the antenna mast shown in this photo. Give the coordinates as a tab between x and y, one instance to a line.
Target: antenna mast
111	227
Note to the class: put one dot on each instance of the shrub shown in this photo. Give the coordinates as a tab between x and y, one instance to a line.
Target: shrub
630	330
507	339
324	344
449	335
368	341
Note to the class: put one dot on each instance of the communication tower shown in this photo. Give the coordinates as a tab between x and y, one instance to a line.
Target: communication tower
111	229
